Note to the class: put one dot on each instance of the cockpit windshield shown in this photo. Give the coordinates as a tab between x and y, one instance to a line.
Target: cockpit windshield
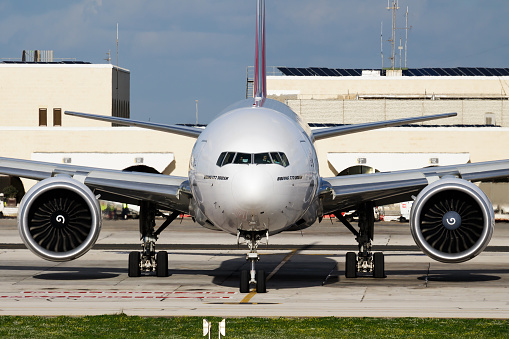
278	158
262	158
243	158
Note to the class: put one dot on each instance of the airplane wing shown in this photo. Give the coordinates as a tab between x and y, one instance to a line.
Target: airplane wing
167	192
330	132
344	193
175	129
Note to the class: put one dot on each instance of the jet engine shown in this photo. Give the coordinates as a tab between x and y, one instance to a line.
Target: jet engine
59	219
452	220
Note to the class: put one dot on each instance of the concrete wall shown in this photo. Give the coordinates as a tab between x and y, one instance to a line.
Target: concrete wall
470	111
482	143
349	87
351	100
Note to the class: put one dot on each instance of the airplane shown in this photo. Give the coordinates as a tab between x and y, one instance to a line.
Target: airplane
254	173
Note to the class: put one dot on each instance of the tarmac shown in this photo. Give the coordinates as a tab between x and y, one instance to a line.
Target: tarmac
305	276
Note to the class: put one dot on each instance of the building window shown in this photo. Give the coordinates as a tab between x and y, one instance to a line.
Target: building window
57	117
43	117
489	119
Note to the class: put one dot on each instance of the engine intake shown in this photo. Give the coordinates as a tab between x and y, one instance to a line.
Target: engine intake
59	219
452	220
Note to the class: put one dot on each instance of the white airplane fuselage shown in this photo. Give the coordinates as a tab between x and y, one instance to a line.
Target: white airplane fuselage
255	169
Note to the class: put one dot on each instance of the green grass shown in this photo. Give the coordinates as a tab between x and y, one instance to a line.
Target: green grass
122	326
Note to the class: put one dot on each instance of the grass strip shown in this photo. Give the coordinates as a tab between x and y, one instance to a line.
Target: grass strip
123	326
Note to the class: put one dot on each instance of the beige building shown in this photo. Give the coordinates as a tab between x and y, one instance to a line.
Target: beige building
480	99
36	94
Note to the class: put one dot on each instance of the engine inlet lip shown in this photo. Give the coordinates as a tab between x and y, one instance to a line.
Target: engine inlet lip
467	188
59	182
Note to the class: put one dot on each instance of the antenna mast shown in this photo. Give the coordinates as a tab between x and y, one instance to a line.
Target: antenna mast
406	32
117	57
393	7
381	43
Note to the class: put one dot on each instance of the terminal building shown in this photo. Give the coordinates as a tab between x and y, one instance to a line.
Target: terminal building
34	94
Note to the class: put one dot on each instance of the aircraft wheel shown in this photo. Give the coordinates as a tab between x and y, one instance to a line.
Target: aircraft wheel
378	261
260	282
134	264
244	281
351	265
162	264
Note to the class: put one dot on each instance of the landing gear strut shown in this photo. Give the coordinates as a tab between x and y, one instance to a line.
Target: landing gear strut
365	261
148	260
252	276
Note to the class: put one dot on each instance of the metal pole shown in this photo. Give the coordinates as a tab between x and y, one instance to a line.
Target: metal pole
406	33
381	43
196	112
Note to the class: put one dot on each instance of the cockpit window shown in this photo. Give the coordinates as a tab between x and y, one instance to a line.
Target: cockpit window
220	160
278	158
284	159
243	158
228	158
262	158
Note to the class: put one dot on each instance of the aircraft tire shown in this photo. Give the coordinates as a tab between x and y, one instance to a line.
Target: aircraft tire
351	265
244	281
134	264
261	282
162	264
378	261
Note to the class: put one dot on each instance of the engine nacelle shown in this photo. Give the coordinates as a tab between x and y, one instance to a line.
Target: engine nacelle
452	220
59	219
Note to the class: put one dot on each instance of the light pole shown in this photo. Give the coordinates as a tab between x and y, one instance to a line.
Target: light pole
196	112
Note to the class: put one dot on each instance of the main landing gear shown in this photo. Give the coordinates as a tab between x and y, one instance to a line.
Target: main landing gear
252	276
148	260
365	261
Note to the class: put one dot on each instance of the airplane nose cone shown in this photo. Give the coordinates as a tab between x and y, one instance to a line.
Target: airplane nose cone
252	188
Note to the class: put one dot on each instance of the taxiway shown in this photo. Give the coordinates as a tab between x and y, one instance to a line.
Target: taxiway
305	271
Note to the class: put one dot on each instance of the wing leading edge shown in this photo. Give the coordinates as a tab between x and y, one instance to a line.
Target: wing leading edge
175	129
168	192
347	192
330	132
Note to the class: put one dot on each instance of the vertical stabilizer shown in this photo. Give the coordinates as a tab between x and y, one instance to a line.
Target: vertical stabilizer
260	82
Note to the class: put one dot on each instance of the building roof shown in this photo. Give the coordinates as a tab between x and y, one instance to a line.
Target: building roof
435	71
64	62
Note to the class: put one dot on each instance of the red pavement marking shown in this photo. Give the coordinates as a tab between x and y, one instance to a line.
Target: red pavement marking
119	295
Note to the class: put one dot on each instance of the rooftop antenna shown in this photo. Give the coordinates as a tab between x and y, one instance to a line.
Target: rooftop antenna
196	112
109	56
117	55
381	43
400	48
393	7
406	32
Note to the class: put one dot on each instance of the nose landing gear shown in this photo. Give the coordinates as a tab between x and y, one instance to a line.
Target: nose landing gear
252	276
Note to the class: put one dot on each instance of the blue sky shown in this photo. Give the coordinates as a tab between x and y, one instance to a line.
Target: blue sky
182	51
